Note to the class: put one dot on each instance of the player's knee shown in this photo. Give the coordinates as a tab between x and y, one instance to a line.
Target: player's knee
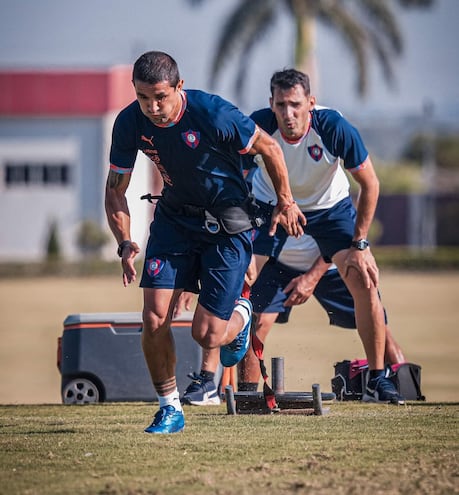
207	340
152	323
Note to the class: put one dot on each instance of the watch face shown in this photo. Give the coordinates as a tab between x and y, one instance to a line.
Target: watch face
361	244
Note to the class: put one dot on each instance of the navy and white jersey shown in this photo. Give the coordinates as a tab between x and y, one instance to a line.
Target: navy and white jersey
199	155
317	179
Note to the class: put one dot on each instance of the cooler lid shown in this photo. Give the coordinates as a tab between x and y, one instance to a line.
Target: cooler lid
115	318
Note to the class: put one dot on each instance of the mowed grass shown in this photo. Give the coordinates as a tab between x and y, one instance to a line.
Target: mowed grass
354	449
47	448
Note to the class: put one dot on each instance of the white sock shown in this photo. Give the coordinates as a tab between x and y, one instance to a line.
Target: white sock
244	312
171	399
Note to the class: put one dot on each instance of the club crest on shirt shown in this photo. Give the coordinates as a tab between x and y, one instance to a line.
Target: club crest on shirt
315	152
154	266
191	138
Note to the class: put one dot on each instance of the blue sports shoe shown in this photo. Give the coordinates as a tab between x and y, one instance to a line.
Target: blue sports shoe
167	420
381	390
232	353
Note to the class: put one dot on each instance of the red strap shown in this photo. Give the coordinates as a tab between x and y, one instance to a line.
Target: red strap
257	344
268	394
246	291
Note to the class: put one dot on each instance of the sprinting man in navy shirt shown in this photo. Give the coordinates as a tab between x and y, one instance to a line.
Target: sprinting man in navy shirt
201	233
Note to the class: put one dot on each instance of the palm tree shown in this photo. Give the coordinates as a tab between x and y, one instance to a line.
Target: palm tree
365	26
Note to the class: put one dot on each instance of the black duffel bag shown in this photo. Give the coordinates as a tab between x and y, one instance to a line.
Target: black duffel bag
351	377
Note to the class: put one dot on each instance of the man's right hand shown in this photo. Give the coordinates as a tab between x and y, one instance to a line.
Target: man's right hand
130	251
300	289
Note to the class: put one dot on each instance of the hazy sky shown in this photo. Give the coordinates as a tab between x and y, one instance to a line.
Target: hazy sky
100	33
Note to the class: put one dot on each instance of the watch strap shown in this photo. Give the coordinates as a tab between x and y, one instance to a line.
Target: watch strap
121	246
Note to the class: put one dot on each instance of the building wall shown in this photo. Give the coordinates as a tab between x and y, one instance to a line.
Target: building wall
28	208
31	198
55	129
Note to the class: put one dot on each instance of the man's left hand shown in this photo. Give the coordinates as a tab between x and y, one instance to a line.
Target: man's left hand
365	263
291	218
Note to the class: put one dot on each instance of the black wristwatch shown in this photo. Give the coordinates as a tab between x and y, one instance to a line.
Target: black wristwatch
121	246
361	244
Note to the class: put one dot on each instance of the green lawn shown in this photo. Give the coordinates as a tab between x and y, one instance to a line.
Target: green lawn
355	449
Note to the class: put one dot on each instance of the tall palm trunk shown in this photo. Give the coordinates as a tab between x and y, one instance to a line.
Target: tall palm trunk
305	53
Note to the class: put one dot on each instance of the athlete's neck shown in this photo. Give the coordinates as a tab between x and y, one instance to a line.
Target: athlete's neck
181	106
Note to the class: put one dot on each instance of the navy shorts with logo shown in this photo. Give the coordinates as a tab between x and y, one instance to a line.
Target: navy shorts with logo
195	260
267	294
331	228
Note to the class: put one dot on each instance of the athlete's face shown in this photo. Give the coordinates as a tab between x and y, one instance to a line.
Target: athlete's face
159	102
292	107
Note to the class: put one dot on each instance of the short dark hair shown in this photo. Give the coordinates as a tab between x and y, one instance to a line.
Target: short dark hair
154	67
289	78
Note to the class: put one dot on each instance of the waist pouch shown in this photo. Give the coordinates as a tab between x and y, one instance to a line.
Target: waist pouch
230	219
351	378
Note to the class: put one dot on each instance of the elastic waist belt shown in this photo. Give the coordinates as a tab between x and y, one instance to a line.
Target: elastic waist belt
232	219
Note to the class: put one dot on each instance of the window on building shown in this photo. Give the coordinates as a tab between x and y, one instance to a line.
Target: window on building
37	174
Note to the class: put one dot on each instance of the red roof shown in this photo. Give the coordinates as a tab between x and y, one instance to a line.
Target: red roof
78	92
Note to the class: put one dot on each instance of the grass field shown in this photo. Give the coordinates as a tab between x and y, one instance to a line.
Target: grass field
356	449
47	448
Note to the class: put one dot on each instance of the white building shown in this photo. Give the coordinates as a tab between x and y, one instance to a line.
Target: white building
55	129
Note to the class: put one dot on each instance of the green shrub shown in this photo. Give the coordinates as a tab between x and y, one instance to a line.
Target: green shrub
91	238
53	246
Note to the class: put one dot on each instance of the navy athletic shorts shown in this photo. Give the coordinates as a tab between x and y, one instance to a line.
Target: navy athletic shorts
331	228
195	260
267	294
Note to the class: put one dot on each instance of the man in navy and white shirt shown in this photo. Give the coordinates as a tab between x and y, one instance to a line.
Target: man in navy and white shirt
317	143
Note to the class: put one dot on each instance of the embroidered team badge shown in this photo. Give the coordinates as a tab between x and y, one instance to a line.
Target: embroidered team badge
191	138
315	152
154	266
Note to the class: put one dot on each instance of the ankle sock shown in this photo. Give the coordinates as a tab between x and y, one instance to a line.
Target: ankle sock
171	399
242	310
207	375
375	374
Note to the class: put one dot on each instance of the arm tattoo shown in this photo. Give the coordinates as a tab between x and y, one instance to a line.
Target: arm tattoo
114	179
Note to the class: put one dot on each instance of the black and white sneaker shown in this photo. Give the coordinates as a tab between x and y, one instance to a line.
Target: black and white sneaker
201	392
381	390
